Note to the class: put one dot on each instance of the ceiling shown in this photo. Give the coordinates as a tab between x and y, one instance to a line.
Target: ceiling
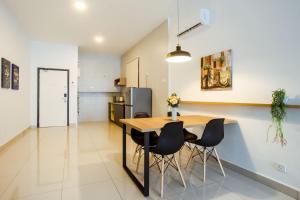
121	23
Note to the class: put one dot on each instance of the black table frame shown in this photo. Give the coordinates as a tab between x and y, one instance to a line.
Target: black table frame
143	188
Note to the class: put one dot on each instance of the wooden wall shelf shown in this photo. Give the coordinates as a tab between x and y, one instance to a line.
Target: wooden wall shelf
98	91
232	104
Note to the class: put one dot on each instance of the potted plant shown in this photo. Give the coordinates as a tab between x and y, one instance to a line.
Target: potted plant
278	112
173	102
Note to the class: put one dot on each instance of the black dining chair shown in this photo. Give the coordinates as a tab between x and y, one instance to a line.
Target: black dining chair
188	136
170	141
138	138
212	136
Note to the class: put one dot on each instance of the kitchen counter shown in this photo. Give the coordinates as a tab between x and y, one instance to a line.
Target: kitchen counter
116	111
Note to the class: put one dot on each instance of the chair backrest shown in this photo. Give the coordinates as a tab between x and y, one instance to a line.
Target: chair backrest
135	133
213	133
141	115
171	138
170	114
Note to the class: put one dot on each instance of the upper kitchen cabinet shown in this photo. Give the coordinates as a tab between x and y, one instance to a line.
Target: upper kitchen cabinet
120	82
98	72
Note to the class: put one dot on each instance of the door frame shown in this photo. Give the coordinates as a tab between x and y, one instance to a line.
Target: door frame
38	92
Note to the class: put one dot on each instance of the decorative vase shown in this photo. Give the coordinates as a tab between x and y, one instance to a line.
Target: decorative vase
174	114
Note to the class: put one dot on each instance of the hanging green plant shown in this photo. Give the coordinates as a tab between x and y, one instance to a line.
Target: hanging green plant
278	112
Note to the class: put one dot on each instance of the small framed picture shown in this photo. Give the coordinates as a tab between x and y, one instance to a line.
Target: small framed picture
15	77
5	73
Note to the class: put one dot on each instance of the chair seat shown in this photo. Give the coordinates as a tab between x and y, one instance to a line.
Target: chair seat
138	137
153	149
188	136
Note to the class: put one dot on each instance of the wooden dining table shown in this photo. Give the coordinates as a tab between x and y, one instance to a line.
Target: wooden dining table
145	125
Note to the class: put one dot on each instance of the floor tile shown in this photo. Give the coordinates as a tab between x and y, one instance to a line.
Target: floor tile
128	190
85	174
86	158
96	191
25	185
55	195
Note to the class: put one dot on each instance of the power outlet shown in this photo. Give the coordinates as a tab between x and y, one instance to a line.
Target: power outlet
280	167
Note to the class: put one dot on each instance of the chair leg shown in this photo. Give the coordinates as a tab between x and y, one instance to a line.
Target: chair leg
179	170
139	159
191	156
157	164
219	161
204	164
135	152
180	155
188	145
162	177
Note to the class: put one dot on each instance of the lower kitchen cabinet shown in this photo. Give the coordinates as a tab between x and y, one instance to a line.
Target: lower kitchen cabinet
116	112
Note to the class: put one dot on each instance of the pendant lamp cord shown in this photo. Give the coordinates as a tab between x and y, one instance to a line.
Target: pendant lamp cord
177	22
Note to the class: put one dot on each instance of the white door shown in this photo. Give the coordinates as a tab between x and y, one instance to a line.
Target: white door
132	73
53	98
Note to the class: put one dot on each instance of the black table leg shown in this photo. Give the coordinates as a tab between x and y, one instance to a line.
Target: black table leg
146	164
124	145
143	188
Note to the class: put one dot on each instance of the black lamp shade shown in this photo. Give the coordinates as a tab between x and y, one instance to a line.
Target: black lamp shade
178	56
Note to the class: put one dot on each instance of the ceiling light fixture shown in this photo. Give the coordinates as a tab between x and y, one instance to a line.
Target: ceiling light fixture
98	39
80	5
178	55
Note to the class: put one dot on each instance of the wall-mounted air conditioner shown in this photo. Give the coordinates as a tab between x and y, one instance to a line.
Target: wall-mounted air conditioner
202	20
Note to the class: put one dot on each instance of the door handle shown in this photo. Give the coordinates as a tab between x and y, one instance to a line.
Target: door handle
65	97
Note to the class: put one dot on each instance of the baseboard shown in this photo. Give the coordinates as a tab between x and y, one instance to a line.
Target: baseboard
264	180
14	139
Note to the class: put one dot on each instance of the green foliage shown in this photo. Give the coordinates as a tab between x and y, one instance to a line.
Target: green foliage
278	97
278	111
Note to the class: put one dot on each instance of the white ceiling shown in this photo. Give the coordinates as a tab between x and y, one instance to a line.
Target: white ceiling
121	23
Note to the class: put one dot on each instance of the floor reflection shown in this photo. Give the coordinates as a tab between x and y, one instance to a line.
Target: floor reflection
85	162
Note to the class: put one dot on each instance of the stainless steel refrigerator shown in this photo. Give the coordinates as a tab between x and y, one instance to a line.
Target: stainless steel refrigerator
137	100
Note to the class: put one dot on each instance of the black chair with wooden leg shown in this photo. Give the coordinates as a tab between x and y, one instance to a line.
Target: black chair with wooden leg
170	141
138	138
188	136
212	136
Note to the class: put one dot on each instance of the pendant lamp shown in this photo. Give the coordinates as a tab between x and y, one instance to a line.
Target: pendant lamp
178	55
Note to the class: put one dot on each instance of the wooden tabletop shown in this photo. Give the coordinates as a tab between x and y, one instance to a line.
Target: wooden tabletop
156	123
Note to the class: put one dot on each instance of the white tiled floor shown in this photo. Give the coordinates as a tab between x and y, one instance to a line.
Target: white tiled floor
84	163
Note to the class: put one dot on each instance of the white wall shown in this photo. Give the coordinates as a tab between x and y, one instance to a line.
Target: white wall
153	68
98	72
264	37
94	106
50	55
96	82
14	104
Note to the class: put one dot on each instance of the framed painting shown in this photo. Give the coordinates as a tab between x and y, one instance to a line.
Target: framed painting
216	71
14	77
5	73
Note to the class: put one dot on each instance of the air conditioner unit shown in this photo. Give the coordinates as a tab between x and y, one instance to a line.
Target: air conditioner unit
204	20
205	16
